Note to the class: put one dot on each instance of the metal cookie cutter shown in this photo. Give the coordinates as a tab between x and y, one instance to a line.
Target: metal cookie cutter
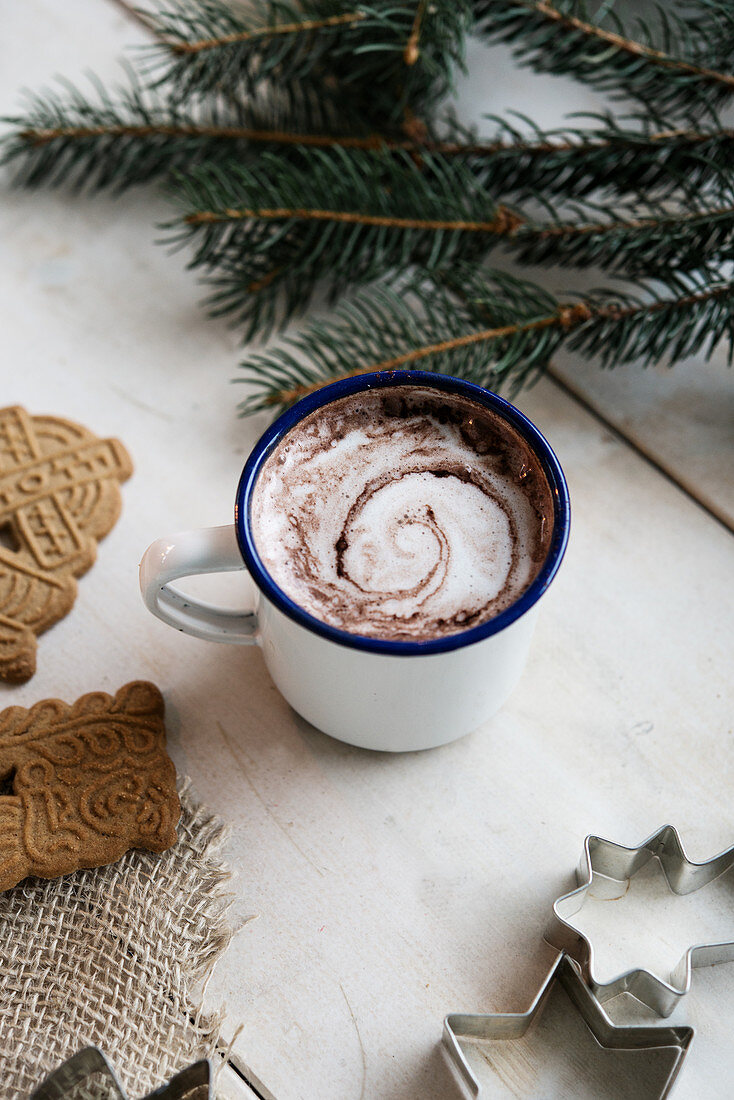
604	860
89	1076
669	1043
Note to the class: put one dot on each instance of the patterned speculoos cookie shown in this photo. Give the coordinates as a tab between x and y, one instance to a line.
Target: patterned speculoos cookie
59	494
88	782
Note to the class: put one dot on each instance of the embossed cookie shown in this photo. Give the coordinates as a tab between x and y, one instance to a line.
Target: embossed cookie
59	494
85	783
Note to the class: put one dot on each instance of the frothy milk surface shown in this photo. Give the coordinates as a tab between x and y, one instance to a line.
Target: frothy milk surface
402	513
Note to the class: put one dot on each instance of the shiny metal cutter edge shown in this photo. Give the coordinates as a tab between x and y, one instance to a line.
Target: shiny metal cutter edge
513	1025
90	1060
605	860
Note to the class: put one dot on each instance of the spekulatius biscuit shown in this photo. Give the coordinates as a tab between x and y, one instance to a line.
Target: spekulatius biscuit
85	782
59	494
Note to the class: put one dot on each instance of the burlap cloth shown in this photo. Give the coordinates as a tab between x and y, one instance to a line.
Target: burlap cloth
115	958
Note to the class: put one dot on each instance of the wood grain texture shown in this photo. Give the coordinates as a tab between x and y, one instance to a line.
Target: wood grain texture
376	893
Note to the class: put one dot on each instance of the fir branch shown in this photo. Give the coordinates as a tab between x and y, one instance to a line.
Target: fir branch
671	319
268	233
422	324
358	184
95	143
207	45
605	157
272	30
558	38
646	241
386	52
104	144
501	331
131	136
679	317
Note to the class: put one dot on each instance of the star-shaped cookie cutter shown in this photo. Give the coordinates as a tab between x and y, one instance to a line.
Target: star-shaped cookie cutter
192	1083
603	859
513	1025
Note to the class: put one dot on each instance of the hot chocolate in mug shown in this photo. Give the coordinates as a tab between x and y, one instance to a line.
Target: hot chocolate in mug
400	529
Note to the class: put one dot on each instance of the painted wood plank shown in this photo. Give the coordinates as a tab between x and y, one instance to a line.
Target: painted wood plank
387	891
373	893
390	890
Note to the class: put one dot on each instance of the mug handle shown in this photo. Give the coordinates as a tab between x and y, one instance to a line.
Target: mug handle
188	554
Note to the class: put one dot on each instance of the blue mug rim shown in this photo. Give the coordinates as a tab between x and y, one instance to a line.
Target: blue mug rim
385	379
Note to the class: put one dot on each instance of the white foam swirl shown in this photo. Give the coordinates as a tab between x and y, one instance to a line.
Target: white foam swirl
392	524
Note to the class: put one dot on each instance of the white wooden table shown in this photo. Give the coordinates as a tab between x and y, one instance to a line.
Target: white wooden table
376	893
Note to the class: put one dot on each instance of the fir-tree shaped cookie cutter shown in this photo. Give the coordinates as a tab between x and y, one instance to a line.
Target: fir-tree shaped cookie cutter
605	860
669	1043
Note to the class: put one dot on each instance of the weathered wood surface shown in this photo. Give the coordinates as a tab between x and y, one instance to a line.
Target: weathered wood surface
373	893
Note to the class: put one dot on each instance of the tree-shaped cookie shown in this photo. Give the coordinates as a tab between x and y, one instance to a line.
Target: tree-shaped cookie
59	494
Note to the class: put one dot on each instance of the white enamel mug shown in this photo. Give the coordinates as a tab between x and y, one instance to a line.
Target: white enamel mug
394	696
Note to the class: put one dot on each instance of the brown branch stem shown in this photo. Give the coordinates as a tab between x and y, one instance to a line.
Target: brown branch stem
613	313
504	222
370	142
539	148
566	317
412	52
627	45
571	230
231	133
265	32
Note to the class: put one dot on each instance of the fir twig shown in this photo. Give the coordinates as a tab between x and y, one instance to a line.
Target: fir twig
388	53
500	331
266	235
559	38
131	135
605	157
270	232
422	324
643	241
207	45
